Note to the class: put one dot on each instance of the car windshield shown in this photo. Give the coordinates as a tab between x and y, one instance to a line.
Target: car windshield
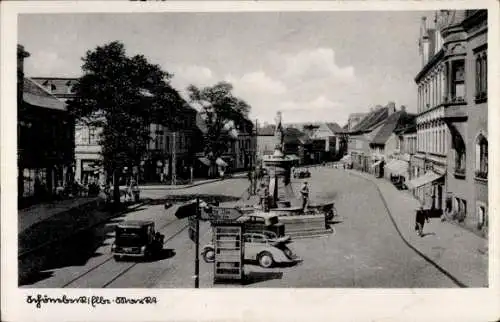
272	220
130	237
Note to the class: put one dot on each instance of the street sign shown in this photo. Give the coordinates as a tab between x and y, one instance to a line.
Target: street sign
192	228
221	213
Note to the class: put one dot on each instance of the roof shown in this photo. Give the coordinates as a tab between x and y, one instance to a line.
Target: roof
135	223
201	124
294	136
371	119
396	121
59	85
36	95
267	130
334	127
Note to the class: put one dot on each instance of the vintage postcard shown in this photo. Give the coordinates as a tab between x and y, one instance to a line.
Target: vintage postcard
249	161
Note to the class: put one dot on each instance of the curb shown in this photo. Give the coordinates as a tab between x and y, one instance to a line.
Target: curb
160	187
77	231
414	248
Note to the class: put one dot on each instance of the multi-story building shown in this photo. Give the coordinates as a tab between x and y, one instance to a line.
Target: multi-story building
45	140
241	152
172	152
166	149
452	115
325	139
265	141
363	157
399	162
88	157
384	144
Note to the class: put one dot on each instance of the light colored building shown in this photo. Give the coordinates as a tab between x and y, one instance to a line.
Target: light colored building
325	139
452	117
360	137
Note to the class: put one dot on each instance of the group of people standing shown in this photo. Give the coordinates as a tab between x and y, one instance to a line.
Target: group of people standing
254	176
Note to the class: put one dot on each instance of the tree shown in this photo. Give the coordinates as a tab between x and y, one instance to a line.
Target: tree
122	95
223	114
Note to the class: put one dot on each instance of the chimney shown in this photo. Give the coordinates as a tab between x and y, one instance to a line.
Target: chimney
21	55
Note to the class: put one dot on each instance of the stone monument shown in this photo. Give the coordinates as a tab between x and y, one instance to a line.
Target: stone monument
279	168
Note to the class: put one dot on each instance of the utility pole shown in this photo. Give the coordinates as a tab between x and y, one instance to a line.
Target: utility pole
197	247
174	158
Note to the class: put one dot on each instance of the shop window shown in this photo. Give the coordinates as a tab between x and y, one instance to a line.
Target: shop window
481	157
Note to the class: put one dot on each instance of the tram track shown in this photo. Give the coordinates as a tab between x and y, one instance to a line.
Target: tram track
129	266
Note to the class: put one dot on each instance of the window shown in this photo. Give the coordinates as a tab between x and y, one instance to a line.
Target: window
458	81
481	157
481	76
93	136
460	162
481	217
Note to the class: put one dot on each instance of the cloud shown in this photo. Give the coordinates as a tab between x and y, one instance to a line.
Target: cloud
185	75
257	83
51	64
318	63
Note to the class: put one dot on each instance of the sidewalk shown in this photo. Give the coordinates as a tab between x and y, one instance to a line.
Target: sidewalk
190	185
457	251
30	216
58	223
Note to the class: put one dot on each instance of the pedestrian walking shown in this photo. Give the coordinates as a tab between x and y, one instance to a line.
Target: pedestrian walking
304	191
263	192
420	218
250	182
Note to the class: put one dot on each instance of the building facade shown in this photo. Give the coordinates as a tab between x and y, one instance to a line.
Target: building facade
452	121
45	141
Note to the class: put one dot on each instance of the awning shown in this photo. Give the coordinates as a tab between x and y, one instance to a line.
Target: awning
397	167
428	177
205	161
376	164
221	162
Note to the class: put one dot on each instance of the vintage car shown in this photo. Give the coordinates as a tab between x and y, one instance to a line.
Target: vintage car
301	173
259	220
136	238
264	248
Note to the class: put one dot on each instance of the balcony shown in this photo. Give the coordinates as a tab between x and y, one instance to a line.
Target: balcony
459	173
481	176
455	109
481	97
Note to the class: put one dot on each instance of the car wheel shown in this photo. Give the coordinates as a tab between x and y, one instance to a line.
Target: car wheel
265	260
209	255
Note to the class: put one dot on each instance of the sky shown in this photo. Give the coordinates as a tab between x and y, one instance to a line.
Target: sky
311	66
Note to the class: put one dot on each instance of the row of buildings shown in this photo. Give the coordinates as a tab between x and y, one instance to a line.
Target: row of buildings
54	150
311	143
441	152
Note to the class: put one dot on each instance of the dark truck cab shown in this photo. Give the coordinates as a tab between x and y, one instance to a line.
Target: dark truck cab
136	238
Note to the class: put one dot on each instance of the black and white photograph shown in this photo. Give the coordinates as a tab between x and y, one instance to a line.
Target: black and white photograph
267	149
